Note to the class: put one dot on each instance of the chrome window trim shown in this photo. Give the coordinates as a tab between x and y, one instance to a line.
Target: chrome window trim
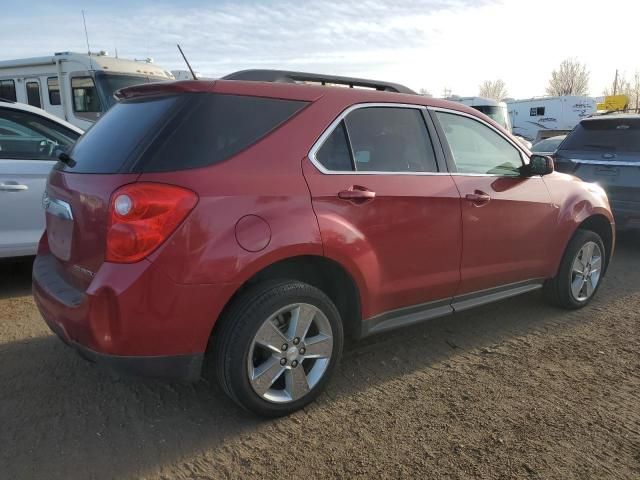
56	207
606	163
523	154
329	130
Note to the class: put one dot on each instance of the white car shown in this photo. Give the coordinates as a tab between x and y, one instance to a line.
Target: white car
30	141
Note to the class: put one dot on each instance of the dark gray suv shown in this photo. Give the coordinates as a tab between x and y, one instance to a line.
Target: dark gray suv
606	149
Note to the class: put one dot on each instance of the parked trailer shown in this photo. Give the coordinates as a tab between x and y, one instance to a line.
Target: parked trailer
76	87
493	109
538	118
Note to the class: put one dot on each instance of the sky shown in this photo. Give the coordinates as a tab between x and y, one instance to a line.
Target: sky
431	44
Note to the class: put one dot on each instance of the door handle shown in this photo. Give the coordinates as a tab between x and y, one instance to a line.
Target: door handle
356	192
478	198
13	187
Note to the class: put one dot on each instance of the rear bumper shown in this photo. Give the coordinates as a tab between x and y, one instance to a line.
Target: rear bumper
132	319
178	368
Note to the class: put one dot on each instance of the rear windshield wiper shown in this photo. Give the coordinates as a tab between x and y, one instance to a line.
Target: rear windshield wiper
67	160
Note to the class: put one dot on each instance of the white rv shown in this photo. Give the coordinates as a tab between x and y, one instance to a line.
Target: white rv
538	118
493	109
76	87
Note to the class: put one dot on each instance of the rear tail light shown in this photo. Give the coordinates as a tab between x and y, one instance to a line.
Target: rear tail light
142	216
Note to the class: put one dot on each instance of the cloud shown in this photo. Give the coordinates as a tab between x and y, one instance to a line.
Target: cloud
422	43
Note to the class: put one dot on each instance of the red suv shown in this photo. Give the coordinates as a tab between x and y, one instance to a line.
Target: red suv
257	223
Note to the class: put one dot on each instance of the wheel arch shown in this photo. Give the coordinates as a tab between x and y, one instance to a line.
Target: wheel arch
321	272
601	225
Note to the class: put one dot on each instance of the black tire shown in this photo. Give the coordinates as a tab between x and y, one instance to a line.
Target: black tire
234	336
558	289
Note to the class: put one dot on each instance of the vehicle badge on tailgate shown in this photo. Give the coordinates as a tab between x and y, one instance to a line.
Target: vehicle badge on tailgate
83	271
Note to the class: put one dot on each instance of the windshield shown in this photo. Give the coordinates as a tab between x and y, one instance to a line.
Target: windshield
109	83
605	135
548	145
497	113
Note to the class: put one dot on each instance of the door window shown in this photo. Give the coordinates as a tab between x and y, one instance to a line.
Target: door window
8	90
383	139
24	135
85	95
389	139
33	94
478	149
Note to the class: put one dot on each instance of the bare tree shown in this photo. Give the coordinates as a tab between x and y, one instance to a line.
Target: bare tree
572	78
495	89
426	93
631	89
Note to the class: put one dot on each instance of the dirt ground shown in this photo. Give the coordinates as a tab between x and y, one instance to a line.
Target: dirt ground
513	390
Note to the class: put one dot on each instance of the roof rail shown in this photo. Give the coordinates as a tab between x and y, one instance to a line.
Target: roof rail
285	76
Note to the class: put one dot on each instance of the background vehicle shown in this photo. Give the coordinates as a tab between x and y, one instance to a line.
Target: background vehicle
493	109
548	146
259	223
30	139
606	149
76	87
538	118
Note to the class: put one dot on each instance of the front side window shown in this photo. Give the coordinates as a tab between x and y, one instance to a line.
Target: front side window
24	135
8	90
33	94
478	149
85	95
54	91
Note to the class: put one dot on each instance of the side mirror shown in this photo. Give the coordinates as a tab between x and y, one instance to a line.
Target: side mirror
539	165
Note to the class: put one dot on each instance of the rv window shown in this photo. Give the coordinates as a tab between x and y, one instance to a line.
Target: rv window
8	90
54	91
33	94
536	112
85	95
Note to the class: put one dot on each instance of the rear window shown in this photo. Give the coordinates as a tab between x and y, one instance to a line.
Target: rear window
112	142
607	135
177	133
215	127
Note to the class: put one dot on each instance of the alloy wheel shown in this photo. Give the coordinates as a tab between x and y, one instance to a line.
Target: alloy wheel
290	353
586	271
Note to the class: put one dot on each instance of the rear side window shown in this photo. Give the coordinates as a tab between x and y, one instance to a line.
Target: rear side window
334	153
215	127
8	90
115	139
605	135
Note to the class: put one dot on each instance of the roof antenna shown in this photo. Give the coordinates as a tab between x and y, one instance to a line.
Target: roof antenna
187	62
86	36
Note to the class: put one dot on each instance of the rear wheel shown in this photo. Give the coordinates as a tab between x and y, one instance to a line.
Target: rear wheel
277	347
580	271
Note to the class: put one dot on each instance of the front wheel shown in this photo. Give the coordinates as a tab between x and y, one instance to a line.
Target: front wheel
277	347
580	271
